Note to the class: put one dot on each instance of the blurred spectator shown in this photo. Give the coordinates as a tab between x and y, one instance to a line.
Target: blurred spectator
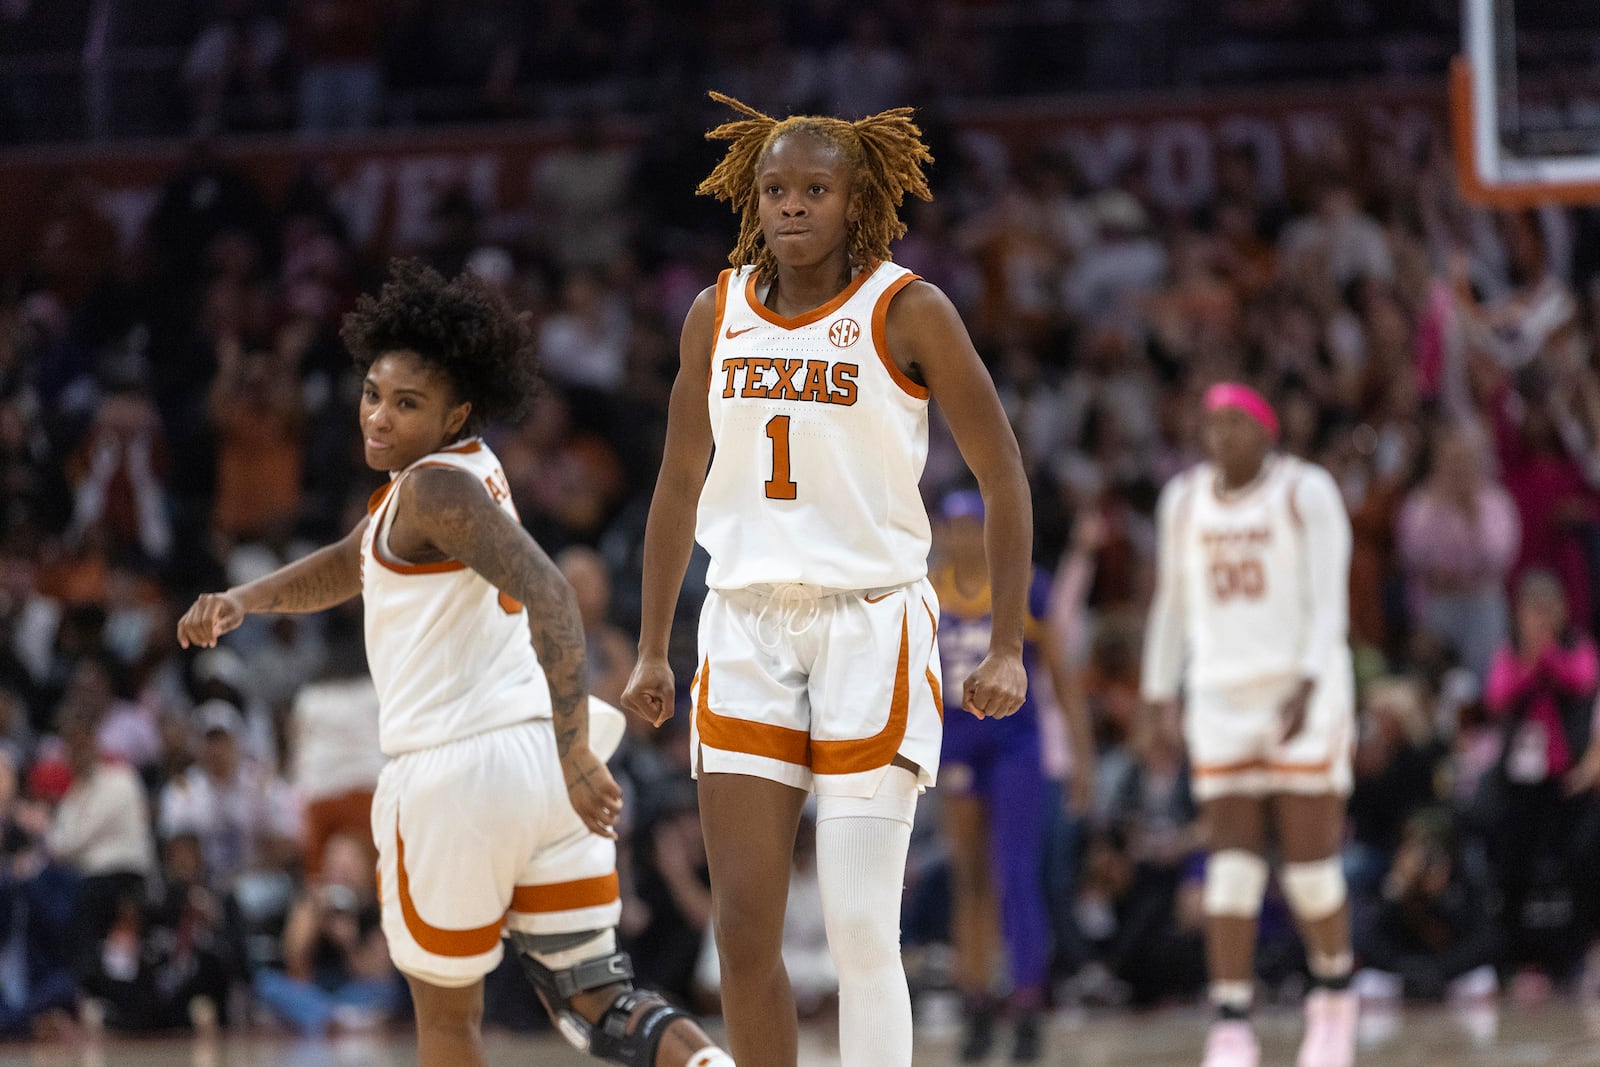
1395	763
567	482
221	674
101	830
341	83
1433	925
865	73
1126	264
1458	538
168	965
37	909
233	69
337	758
580	190
1553	497
585	342
1337	239
1156	946
245	817
1542	689
674	885
256	410
610	652
336	970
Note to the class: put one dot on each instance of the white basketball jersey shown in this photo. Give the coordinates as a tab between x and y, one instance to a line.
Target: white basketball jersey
1247	576
820	443
450	655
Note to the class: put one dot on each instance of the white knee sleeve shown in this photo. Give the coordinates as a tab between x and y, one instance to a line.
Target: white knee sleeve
1314	890
895	799
861	865
1236	880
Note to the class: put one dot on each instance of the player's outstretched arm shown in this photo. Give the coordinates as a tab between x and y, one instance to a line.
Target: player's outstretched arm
925	330
324	579
451	509
669	532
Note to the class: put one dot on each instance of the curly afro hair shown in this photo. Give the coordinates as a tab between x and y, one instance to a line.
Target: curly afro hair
461	327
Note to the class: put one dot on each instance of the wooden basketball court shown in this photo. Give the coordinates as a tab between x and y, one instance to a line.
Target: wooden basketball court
1557	1035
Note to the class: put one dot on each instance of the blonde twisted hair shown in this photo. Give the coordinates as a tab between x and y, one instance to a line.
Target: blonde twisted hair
885	153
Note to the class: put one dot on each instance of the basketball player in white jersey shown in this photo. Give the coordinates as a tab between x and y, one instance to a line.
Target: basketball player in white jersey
477	835
1250	615
805	379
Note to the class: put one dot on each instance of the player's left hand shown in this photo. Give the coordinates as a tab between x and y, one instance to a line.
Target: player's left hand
594	794
997	688
1292	715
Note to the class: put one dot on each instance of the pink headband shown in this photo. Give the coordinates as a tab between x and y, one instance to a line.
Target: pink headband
1245	399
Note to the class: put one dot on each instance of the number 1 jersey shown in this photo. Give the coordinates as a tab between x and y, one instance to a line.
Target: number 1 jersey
820	442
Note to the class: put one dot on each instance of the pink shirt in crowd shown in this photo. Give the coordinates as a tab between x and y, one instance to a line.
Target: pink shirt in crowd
1559	673
1448	552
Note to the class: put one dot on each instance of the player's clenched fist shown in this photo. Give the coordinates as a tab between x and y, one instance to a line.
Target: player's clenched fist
208	618
997	688
649	694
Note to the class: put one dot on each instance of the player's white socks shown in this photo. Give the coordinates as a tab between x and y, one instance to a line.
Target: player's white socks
861	864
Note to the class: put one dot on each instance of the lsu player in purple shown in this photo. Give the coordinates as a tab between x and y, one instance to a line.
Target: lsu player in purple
994	791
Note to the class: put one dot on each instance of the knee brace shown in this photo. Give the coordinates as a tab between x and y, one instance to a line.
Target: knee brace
1236	880
561	966
1314	890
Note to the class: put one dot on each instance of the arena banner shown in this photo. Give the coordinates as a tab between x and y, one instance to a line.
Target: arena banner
387	182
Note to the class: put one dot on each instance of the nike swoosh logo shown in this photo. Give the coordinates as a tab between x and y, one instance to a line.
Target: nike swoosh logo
880	596
732	333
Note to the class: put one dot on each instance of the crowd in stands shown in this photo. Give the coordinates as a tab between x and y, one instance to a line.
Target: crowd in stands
113	68
183	835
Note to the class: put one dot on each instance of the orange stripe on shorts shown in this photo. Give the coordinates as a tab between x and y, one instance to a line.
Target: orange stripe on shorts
566	896
457	944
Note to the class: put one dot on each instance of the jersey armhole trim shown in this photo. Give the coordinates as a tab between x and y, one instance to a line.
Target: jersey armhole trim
724	282
880	340
380	536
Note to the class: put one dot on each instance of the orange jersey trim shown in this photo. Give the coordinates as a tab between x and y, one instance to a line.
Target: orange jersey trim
880	340
806	318
400	566
1242	766
465	448
456	944
870	753
933	680
379	495
724	282
742	735
566	896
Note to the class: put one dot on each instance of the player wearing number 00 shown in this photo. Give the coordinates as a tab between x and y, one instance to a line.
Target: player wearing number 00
1251	613
804	387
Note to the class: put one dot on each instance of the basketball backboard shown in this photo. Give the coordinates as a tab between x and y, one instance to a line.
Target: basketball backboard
1525	102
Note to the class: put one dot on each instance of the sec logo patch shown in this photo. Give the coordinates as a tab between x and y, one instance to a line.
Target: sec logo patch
844	332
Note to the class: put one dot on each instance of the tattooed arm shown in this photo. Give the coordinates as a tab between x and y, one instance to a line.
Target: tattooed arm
458	518
324	579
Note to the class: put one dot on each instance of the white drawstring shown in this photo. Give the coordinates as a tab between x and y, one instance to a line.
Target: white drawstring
788	596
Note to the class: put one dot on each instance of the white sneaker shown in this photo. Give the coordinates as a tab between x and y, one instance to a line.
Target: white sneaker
1330	1039
1231	1043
